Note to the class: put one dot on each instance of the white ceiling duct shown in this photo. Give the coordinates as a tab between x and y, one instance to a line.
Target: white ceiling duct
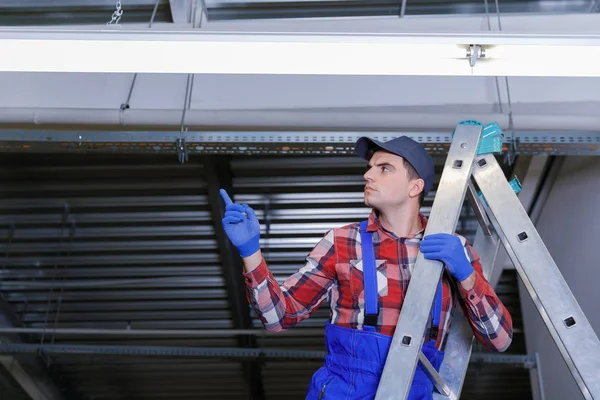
313	101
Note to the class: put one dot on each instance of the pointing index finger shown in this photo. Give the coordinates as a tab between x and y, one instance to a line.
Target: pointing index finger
225	197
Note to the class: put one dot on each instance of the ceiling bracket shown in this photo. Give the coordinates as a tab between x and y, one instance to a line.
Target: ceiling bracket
474	53
182	150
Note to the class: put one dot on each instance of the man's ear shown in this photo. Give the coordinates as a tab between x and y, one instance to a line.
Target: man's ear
416	188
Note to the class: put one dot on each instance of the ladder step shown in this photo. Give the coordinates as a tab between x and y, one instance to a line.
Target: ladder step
438	381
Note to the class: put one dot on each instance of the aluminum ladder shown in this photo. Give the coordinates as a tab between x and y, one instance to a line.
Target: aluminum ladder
503	220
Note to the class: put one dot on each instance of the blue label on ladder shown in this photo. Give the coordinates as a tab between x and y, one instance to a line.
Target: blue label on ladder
491	139
516	185
469	122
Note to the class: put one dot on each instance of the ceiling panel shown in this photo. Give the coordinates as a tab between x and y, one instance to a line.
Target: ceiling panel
97	12
230	10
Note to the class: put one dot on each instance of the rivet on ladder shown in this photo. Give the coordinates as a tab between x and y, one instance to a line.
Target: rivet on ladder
406	340
457	164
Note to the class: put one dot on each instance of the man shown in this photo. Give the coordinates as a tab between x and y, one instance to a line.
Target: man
385	248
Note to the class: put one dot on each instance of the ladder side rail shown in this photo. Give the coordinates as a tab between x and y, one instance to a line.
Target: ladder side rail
459	343
408	338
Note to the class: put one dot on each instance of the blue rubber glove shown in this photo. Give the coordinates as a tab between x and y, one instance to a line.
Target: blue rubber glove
241	226
450	250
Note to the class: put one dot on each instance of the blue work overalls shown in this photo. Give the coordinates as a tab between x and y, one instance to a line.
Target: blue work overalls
355	358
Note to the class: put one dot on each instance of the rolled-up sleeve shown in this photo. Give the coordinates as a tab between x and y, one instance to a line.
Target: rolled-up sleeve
281	307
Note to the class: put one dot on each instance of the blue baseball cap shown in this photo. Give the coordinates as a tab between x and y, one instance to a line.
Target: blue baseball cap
413	152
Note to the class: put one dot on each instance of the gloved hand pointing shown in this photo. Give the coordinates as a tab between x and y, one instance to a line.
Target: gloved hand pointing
241	226
450	250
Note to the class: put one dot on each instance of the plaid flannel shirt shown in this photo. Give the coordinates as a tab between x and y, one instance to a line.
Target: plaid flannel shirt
333	271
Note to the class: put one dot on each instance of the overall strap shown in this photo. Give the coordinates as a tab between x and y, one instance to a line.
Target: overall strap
369	278
436	312
371	292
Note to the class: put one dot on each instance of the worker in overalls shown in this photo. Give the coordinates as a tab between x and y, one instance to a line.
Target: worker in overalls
363	270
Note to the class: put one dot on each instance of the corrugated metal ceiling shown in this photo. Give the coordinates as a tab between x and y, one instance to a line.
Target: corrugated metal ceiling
80	12
227	10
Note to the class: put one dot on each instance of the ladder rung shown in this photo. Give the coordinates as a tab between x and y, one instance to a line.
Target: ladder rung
438	382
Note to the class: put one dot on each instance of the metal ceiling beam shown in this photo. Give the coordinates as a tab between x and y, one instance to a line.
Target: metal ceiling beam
181	11
218	176
524	361
276	142
10	390
38	379
161	332
28	382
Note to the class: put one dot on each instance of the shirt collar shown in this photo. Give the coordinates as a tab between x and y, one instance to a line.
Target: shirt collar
374	225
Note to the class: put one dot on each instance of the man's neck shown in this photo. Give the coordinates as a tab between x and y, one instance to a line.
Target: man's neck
403	222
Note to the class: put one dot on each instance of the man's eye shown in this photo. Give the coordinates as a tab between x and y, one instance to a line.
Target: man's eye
384	169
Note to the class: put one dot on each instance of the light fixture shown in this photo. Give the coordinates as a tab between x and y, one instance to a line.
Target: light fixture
540	60
112	51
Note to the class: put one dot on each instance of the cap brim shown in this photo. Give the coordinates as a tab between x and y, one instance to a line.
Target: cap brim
364	145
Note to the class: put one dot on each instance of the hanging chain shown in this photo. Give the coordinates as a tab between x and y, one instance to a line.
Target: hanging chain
510	155
489	24
116	16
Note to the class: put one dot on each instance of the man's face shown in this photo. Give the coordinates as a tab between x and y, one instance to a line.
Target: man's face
387	184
